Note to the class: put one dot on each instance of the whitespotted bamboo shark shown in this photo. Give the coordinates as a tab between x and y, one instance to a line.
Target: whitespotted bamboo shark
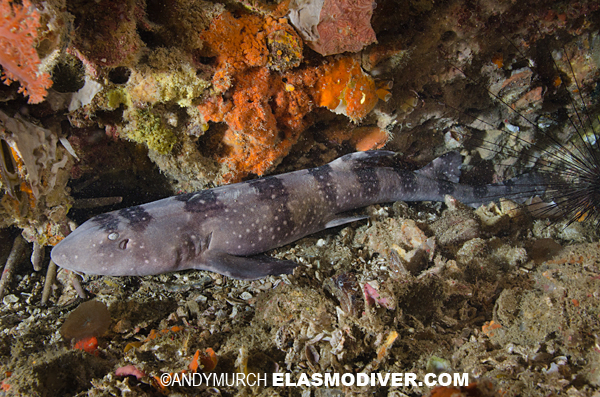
224	229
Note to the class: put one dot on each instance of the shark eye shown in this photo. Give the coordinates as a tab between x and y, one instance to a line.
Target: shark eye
123	243
113	236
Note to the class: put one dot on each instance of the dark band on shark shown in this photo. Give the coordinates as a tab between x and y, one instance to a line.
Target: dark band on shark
273	190
445	187
269	188
480	191
137	217
205	201
369	181
509	186
326	182
107	222
409	182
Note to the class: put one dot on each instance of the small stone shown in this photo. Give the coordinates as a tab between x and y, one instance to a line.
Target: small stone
455	227
182	312
507	307
10	299
193	308
543	249
471	249
201	299
122	326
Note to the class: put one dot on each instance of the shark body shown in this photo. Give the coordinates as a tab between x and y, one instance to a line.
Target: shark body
224	229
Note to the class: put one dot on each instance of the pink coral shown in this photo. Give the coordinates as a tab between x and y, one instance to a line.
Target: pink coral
334	26
18	34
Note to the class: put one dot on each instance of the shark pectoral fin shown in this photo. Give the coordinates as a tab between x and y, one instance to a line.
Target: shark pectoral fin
245	267
342	219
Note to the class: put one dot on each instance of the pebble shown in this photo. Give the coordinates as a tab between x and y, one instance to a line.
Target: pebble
10	299
455	227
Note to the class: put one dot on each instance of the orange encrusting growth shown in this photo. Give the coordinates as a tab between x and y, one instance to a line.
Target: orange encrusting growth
383	350
24	186
489	327
498	60
344	88
88	345
151	336
4	386
18	35
250	41
208	360
266	111
238	44
369	138
264	118
361	138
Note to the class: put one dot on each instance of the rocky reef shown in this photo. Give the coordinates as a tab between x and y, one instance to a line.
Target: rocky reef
109	104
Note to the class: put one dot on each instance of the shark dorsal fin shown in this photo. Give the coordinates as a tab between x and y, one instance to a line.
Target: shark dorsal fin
446	167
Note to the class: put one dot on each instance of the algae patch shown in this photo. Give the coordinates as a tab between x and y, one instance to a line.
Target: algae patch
149	129
118	97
